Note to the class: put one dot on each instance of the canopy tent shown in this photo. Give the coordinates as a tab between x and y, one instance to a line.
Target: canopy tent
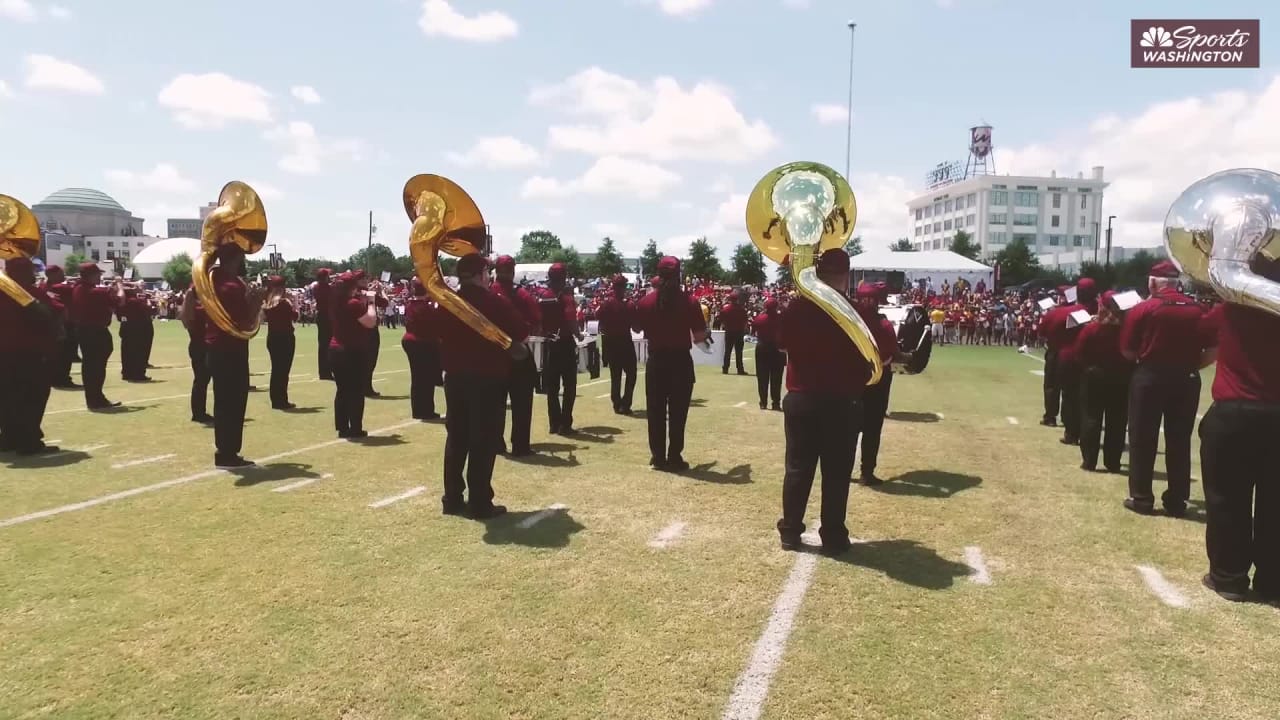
917	267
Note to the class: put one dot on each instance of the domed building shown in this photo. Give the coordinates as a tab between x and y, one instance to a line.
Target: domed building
151	261
85	211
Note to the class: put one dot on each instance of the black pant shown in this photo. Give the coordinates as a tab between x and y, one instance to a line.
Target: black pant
473	433
1052	390
371	358
199	356
875	403
770	362
524	376
1240	461
668	390
96	347
1173	395
1069	382
424	376
66	355
349	367
25	377
324	333
561	368
136	338
818	428
281	346
733	340
1104	401
229	368
620	356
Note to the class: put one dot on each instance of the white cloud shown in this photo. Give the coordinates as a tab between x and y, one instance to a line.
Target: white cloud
306	94
498	152
5	91
20	10
830	113
306	152
610	175
661	122
439	18
683	7
162	178
49	73
212	100
612	230
57	12
796	4
265	190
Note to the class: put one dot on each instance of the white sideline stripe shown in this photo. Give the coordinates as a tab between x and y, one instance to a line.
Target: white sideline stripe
397	498
940	416
1012	420
602	396
541	515
741	404
668	535
301	483
752	686
143	461
53	442
1163	589
91	448
176	481
1033	357
605	380
1038	372
973	558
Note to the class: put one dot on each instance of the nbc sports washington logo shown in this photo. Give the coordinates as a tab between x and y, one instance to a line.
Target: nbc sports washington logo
1194	43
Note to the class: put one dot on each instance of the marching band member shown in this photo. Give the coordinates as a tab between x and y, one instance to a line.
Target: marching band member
281	343
352	315
476	376
228	358
195	321
524	374
1062	342
373	347
422	349
733	320
619	350
1055	317
560	327
770	362
321	291
1104	387
875	402
29	343
92	310
669	317
57	287
137	333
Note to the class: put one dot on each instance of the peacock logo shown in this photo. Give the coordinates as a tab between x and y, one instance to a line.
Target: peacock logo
1156	37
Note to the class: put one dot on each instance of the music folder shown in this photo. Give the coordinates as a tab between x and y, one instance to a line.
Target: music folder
1079	317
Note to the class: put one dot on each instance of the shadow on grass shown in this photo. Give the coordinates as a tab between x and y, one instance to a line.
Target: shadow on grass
549	455
553	531
596	433
380	440
914	417
275	472
929	483
120	409
905	561
62	458
302	410
389	397
737	475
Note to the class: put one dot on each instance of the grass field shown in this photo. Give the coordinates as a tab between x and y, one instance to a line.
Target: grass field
216	596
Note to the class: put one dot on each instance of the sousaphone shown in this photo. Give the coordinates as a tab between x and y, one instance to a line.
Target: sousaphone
19	238
238	220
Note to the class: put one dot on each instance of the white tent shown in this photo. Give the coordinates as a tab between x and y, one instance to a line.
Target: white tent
532	272
936	266
151	261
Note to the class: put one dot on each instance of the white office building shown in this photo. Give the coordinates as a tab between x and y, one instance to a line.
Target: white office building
1050	214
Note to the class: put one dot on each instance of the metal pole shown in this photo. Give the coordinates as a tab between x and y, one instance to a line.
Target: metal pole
369	245
1096	238
1109	219
848	138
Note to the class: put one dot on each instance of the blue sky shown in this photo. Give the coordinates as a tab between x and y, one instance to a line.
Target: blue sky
631	118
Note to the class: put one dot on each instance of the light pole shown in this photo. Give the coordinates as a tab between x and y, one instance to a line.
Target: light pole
1109	219
1095	242
848	136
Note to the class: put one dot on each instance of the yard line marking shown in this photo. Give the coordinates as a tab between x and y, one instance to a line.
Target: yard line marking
669	534
741	404
604	380
1163	589
1033	357
1038	372
1012	420
752	686
973	558
143	461
602	396
541	515
53	442
177	481
300	483
91	448
126	402
397	498
940	416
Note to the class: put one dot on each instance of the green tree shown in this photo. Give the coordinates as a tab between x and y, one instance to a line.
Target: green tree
572	261
702	262
374	260
649	260
854	246
748	265
448	266
1017	264
255	267
538	246
72	264
607	262
902	245
1133	273
963	244
177	272
782	275
1103	275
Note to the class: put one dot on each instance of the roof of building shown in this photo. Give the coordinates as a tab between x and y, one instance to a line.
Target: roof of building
163	251
916	261
81	199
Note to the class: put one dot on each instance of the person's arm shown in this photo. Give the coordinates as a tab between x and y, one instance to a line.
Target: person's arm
370	317
187	311
1128	333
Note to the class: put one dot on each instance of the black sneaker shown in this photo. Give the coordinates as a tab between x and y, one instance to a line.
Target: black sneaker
764	406
455	510
1088	468
1232	594
1141	508
677	464
488	513
205	419
357	435
791	543
870	480
657	463
232	463
1049	422
777	407
836	547
1175	511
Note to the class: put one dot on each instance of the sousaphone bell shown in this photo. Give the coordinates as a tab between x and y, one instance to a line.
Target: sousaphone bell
238	220
19	238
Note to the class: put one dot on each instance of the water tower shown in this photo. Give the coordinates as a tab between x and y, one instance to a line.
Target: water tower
981	160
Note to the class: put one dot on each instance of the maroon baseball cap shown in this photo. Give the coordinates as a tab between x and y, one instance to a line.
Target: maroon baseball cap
505	262
668	266
619	281
275	281
1165	269
556	271
90	268
867	291
472	264
835	260
323	273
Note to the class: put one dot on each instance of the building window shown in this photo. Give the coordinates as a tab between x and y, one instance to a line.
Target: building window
998	238
998	187
96	256
937	208
1057	200
1028	239
1024	219
969	220
1082	221
937	227
1026	199
1055	240
999	198
1053	221
51	225
971	199
139	244
111	243
1028	187
919	213
948	206
928	211
1084	202
998	219
1082	241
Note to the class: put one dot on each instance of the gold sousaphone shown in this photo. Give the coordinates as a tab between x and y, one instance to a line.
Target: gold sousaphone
238	220
1220	226
446	219
19	238
795	213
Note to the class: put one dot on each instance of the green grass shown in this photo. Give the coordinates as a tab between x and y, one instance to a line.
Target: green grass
218	598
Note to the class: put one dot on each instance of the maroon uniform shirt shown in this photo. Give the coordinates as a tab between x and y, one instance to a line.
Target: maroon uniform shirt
733	318
463	351
525	303
671	327
199	323
1248	341
348	333
63	292
94	305
280	318
1053	328
324	310
766	328
420	322
615	318
1098	345
136	309
561	318
820	357
230	290
23	329
1165	331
